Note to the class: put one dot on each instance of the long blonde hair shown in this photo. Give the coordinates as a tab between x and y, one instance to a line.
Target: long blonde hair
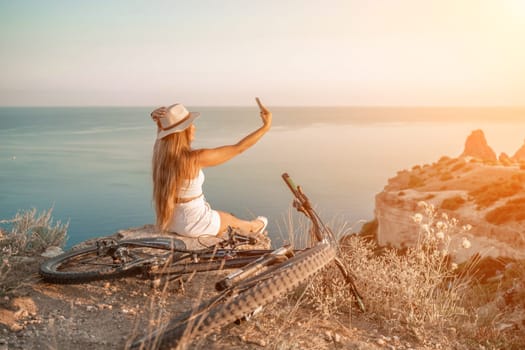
172	163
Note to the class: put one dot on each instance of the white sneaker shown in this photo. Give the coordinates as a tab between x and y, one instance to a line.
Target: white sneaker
265	223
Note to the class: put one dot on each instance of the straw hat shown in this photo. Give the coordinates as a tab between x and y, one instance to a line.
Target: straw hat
176	119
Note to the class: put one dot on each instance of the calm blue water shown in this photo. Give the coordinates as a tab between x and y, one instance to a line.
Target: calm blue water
93	164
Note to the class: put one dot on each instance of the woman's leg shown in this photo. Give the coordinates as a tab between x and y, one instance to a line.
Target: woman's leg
246	227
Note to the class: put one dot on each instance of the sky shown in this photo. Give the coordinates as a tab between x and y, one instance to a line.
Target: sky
288	52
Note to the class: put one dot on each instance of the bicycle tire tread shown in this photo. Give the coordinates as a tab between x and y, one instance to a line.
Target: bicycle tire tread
49	273
48	269
280	282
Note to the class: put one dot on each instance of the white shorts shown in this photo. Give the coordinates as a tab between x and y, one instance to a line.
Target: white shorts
195	218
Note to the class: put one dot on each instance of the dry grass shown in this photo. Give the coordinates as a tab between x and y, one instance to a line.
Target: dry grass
416	288
498	306
30	233
421	290
418	291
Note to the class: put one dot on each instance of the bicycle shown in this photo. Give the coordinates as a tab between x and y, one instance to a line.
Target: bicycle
245	291
154	257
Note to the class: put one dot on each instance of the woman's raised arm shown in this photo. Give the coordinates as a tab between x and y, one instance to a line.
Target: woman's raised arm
207	157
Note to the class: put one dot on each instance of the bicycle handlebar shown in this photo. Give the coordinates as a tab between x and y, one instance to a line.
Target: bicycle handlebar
296	190
320	232
303	205
290	183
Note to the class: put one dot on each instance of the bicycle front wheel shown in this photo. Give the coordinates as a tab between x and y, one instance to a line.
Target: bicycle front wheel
240	300
91	263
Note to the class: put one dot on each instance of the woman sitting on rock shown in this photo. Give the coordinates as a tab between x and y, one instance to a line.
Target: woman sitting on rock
177	175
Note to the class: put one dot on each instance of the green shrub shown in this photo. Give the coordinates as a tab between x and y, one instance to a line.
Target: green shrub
513	210
458	166
452	203
415	181
489	194
446	177
31	233
520	177
444	159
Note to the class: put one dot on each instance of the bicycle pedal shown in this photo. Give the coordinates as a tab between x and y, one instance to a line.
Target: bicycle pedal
249	316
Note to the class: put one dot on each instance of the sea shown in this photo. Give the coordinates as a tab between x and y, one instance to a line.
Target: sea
92	165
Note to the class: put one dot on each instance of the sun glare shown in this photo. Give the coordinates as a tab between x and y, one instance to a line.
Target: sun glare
516	7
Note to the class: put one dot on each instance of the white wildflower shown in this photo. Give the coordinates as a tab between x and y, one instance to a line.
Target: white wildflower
425	228
440	235
466	243
417	218
467	227
422	204
454	266
440	225
444	216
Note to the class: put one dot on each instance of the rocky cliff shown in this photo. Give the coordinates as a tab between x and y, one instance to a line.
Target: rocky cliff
476	146
519	156
489	196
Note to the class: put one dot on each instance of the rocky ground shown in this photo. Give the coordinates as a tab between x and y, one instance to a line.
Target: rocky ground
108	314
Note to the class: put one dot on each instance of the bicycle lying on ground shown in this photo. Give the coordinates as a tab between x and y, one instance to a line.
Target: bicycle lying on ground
154	257
262	275
246	290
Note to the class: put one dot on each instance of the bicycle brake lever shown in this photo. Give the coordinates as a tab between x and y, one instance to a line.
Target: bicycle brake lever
299	207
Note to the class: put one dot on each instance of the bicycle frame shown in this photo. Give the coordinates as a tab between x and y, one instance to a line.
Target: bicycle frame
319	232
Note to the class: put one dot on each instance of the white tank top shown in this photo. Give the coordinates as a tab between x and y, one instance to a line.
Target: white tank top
192	188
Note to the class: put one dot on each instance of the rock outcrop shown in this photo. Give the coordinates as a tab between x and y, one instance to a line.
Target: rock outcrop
396	228
190	243
519	156
476	146
485	195
504	159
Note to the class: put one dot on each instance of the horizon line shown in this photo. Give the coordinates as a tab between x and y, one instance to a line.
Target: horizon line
273	106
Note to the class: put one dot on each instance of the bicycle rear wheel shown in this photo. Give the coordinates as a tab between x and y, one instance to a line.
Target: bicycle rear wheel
240	300
93	263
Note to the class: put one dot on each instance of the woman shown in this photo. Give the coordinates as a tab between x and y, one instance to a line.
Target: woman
177	175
